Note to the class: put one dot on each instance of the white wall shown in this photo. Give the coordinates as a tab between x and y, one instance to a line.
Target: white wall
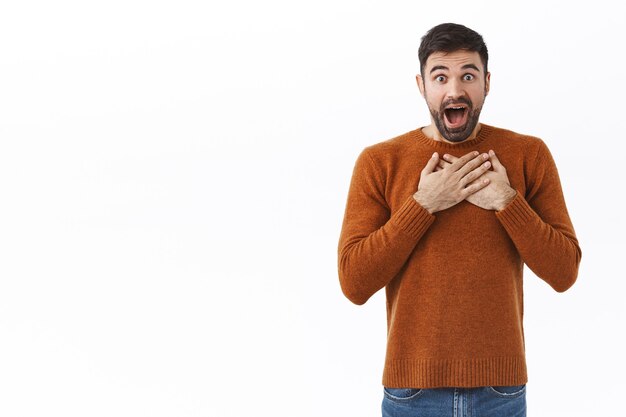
173	177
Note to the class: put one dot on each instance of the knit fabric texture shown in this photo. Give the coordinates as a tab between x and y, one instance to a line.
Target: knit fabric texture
453	279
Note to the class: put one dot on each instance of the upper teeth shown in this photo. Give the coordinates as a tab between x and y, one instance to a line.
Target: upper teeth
457	108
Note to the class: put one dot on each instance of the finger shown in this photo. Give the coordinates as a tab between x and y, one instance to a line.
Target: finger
473	164
476	173
449	158
431	164
459	163
442	164
497	165
474	187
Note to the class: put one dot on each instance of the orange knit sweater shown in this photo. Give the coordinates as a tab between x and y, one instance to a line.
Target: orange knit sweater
453	280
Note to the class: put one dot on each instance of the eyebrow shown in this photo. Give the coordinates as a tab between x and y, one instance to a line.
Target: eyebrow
470	66
443	67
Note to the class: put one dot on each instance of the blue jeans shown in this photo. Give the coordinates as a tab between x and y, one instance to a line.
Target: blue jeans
455	402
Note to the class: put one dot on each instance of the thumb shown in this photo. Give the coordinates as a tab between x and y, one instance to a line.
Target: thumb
431	164
495	162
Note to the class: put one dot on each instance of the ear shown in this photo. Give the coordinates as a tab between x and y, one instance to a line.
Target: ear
487	83
420	84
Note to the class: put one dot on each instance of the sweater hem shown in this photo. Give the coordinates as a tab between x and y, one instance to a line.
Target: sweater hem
438	373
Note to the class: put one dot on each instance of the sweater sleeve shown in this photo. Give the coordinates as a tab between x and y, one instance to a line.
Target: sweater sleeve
540	227
375	242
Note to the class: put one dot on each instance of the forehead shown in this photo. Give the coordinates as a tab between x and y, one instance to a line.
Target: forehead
453	60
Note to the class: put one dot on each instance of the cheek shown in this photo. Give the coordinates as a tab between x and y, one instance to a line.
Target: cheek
433	95
481	90
478	95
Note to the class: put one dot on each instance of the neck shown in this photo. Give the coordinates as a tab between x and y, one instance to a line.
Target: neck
433	133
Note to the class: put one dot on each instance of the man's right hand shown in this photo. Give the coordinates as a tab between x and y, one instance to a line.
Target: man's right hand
445	188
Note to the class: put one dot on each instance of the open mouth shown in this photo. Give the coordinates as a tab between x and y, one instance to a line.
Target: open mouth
456	115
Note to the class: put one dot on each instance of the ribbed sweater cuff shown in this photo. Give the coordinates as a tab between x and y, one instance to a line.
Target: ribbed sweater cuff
412	218
517	214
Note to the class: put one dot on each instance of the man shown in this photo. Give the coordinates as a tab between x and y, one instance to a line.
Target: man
444	217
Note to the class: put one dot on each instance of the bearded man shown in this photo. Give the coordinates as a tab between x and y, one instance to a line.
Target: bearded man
444	218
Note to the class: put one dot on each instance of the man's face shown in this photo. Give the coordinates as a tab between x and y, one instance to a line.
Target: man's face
454	86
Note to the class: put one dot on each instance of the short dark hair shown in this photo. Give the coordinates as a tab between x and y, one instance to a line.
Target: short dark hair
450	37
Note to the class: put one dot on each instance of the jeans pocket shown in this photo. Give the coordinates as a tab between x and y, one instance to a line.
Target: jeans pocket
402	394
509	391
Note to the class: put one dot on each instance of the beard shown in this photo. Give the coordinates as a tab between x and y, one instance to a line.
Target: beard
460	133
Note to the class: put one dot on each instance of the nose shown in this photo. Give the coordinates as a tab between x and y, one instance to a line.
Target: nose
455	89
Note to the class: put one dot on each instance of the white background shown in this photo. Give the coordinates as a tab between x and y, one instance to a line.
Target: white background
173	177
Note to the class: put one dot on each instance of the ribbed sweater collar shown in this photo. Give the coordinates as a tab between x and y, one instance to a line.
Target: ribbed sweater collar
485	131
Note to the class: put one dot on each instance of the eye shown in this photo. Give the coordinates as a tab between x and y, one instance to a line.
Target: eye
468	77
440	78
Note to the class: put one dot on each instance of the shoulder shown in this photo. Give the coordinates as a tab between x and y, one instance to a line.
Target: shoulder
517	138
528	145
391	148
527	154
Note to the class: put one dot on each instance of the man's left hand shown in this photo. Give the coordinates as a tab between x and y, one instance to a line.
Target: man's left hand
498	194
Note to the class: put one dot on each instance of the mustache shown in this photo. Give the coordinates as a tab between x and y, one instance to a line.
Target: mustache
460	100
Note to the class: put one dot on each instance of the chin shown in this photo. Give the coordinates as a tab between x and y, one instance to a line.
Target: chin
457	135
